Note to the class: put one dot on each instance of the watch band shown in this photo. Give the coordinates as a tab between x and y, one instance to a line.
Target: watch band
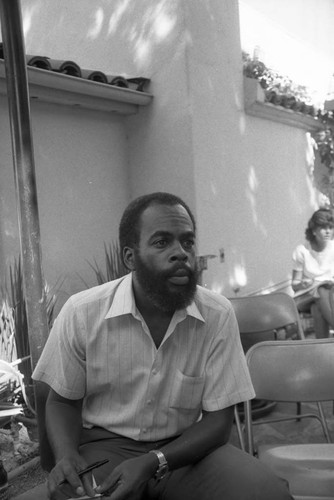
163	464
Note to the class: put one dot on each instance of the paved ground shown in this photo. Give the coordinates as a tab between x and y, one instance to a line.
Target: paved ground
305	431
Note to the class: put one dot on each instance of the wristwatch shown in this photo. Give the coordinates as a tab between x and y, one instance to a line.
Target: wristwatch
163	465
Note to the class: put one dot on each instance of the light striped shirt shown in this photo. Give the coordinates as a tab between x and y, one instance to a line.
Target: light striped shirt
100	349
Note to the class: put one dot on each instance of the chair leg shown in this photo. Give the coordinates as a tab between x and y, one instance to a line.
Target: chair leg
239	428
299	411
324	423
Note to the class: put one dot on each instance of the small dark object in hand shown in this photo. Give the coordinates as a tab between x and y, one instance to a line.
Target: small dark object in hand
87	469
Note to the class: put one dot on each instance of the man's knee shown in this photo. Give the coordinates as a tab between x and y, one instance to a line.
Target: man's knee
245	477
230	474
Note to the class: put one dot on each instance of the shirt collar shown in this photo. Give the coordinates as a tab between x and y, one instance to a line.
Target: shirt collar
124	303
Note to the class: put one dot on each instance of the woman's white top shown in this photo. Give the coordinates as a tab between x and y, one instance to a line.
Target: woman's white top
318	266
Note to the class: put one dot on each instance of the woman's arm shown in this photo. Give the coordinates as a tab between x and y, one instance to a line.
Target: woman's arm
298	282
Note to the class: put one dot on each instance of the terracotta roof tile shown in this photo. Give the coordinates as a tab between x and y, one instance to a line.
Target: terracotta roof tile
73	69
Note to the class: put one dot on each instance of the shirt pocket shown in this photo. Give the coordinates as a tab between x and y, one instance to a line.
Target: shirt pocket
186	391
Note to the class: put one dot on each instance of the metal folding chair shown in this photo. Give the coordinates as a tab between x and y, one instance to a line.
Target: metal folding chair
273	316
270	316
286	371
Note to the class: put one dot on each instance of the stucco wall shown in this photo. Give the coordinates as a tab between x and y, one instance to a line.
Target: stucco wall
247	179
252	175
81	172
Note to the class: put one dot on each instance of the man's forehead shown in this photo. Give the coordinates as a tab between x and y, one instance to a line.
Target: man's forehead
158	216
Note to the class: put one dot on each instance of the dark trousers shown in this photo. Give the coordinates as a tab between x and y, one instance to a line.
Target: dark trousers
226	474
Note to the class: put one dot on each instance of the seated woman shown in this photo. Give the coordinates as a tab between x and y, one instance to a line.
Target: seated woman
313	272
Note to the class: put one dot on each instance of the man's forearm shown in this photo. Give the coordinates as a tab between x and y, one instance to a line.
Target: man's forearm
64	423
200	439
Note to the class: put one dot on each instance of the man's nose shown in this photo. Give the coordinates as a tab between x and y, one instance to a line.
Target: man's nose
178	253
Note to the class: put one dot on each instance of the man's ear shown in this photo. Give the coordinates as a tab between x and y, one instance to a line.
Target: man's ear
128	258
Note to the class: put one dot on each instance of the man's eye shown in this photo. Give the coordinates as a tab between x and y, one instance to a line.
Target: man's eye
160	243
188	244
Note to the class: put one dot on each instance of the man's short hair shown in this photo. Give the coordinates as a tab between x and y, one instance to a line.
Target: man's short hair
129	227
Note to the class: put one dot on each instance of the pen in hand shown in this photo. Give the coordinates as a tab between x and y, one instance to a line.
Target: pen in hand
87	469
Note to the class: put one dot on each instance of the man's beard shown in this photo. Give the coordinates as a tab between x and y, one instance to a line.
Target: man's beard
155	286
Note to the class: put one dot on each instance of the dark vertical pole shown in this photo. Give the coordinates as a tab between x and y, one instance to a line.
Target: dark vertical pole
24	171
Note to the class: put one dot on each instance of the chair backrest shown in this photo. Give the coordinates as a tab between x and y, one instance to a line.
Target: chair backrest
267	317
302	370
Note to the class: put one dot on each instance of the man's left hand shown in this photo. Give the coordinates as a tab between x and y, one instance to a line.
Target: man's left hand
129	479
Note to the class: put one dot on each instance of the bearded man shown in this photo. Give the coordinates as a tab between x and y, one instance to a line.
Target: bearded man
144	372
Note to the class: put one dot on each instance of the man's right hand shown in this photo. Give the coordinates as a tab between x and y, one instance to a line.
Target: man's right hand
67	470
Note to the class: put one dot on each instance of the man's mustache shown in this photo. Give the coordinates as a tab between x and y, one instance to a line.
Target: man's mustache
186	269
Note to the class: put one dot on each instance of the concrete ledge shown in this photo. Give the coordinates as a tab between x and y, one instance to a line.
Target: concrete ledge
58	88
256	105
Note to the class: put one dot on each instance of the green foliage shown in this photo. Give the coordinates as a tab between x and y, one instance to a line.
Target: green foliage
114	266
15	294
7	333
276	86
325	146
17	302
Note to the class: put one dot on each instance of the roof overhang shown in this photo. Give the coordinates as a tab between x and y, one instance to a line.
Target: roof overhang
58	88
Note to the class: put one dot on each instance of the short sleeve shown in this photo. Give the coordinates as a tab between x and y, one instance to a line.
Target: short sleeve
227	377
298	258
62	362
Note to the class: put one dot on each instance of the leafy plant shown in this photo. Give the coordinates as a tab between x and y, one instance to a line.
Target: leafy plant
114	266
325	146
15	294
279	89
7	333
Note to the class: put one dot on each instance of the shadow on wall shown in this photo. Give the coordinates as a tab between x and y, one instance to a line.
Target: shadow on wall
86	34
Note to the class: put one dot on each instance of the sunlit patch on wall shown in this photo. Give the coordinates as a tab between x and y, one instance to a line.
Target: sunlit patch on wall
117	15
163	25
96	27
27	15
310	157
10	229
142	49
213	188
253	188
217	287
250	192
314	179
238	278
252	180
242	124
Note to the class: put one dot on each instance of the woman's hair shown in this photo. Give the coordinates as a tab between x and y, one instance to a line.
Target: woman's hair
321	218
